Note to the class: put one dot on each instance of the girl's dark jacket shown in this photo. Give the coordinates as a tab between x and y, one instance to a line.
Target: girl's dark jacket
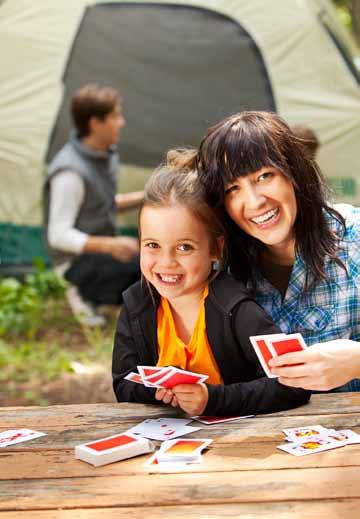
231	317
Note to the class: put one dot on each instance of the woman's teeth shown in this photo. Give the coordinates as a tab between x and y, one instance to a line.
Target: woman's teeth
266	217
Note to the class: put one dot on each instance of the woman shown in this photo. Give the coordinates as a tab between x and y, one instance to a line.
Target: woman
299	255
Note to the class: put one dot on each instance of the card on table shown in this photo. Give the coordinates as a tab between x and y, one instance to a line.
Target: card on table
163	428
14	436
112	448
311	446
210	420
299	434
184	449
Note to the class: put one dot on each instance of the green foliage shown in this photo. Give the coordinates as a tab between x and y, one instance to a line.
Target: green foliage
22	304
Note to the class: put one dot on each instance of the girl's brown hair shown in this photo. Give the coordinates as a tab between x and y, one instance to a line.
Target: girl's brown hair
177	184
245	143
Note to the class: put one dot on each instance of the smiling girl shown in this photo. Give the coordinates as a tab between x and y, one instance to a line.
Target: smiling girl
187	314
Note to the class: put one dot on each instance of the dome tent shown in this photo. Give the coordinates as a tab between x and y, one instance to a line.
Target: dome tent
180	67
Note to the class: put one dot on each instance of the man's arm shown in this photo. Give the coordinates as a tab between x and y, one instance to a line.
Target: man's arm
67	193
125	201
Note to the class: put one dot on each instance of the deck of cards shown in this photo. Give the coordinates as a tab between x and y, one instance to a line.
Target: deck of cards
316	438
113	448
268	346
164	376
179	452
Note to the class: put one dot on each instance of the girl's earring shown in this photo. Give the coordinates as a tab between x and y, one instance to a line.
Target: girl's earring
215	265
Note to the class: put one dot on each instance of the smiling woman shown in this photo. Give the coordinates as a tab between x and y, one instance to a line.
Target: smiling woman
298	254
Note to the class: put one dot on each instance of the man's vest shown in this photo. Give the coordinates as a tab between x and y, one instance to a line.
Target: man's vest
98	169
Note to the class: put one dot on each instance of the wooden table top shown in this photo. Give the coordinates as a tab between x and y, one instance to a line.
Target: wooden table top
242	474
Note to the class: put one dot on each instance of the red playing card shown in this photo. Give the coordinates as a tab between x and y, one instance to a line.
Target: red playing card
179	377
265	352
159	375
287	345
109	443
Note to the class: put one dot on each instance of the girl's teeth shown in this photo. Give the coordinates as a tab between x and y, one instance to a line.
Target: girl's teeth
265	217
169	279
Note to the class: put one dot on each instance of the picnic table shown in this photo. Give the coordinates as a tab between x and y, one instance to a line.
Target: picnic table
242	474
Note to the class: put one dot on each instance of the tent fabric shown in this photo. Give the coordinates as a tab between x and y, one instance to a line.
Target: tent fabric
289	46
185	57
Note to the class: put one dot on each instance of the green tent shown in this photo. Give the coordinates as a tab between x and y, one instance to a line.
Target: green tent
180	67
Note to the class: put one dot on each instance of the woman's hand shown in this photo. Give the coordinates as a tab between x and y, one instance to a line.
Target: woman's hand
192	398
166	396
320	367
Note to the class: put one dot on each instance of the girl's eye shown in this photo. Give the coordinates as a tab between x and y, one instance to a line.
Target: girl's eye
151	245
185	247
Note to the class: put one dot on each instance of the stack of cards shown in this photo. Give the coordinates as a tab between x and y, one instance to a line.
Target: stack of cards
269	346
179	452
165	377
163	428
113	448
316	438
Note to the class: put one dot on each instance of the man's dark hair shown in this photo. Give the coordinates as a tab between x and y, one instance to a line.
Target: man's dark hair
245	143
92	100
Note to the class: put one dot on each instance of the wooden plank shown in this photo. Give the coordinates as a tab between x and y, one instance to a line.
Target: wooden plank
348	509
241	456
252	430
182	489
92	414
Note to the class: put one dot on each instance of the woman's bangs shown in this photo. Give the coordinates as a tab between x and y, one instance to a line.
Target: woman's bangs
243	155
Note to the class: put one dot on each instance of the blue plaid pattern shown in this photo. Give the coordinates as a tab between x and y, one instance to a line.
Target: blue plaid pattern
330	309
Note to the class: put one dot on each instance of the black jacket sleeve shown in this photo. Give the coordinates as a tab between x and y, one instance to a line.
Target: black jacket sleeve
125	359
263	394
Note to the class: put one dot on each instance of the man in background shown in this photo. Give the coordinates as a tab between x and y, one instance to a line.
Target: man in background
81	205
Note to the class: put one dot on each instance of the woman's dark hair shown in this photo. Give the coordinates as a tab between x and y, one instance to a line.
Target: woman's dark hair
245	143
92	100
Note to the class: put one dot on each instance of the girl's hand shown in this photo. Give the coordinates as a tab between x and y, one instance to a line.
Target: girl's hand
166	396
192	398
320	367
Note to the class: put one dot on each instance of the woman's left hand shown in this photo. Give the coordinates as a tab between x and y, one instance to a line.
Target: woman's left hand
320	367
192	398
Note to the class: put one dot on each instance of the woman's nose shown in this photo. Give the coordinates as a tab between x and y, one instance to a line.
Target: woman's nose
254	198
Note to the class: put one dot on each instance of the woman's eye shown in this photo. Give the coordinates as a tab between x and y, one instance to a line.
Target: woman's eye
231	189
265	176
185	247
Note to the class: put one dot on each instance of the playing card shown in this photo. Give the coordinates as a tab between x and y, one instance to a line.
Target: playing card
179	376
311	446
184	449
134	377
288	344
152	375
13	436
264	350
163	429
345	435
298	434
210	420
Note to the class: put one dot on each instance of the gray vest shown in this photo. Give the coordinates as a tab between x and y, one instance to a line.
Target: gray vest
97	215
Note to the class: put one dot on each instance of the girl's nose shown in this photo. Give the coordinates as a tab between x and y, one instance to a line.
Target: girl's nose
254	198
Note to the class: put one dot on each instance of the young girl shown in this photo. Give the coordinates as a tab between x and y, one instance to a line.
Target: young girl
186	314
